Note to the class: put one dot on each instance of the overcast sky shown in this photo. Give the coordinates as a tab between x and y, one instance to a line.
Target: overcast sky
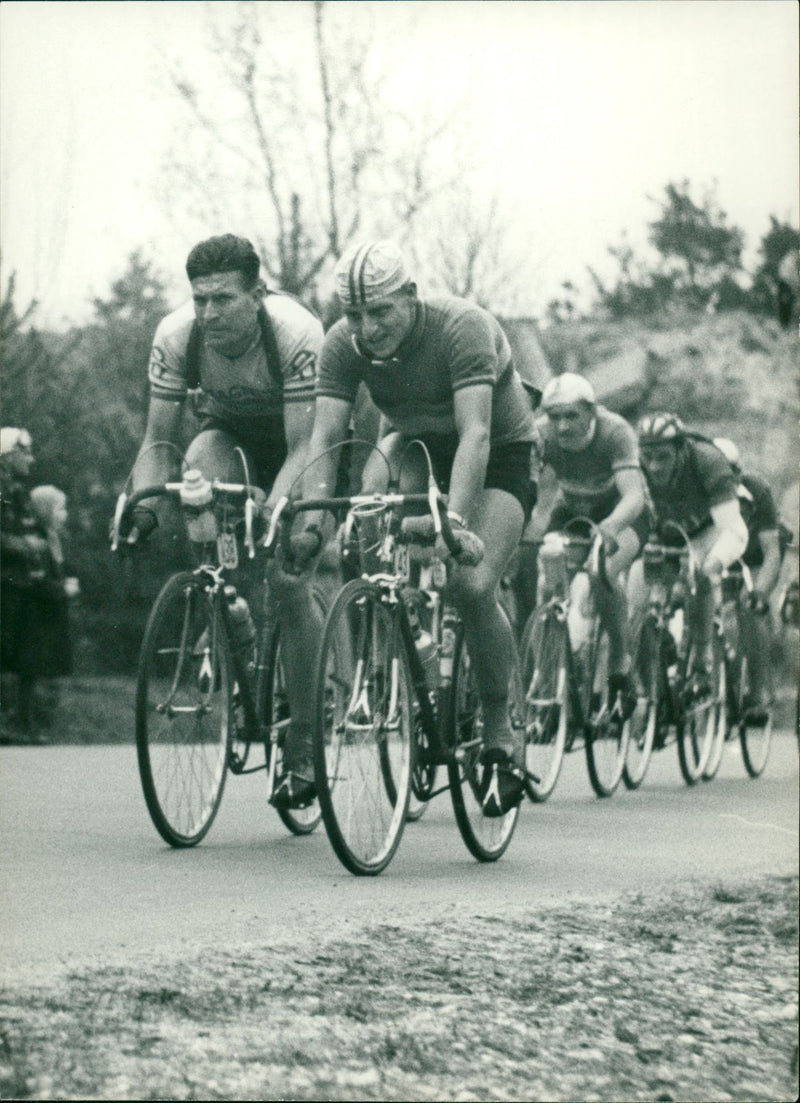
585	109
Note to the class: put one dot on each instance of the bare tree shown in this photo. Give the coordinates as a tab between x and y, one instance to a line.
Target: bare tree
294	135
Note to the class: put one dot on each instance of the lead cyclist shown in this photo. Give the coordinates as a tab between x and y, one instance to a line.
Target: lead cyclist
440	370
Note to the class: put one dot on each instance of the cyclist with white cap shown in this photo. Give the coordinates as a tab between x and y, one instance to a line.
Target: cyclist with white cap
766	544
691	483
439	370
593	455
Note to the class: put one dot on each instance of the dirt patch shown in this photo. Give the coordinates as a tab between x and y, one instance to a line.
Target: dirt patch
685	996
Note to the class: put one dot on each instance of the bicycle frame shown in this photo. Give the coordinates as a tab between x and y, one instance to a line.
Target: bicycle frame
392	579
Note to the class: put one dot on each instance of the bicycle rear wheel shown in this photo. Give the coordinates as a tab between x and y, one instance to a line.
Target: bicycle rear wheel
607	734
646	675
702	715
183	710
546	710
486	837
362	730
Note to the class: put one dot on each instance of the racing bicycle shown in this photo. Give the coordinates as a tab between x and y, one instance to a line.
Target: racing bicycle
678	700
395	691
207	693
565	668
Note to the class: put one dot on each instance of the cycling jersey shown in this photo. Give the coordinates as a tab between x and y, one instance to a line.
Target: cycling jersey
702	478
242	387
452	344
586	479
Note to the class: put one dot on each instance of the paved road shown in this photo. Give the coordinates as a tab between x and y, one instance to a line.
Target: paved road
85	879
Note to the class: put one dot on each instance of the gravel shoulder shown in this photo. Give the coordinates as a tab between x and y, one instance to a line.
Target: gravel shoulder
685	995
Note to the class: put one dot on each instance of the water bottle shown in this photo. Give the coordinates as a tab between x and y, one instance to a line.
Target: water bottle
448	646
676	629
243	630
554	563
197	499
425	644
579	620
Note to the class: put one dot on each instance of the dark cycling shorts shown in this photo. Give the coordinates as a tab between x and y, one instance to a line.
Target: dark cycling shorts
508	468
263	440
564	511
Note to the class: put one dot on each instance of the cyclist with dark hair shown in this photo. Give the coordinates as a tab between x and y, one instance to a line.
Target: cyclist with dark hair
593	456
691	483
248	357
440	370
766	545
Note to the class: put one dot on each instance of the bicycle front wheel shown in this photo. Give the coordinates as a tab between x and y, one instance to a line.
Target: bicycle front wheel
546	710
755	739
646	675
703	714
486	837
607	734
184	710
363	729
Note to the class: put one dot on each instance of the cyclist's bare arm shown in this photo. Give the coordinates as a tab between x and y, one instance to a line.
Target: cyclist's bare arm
155	465
473	413
298	422
630	484
374	478
331	421
732	539
765	577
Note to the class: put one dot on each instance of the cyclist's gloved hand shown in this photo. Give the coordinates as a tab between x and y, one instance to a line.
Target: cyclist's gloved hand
472	549
304	546
417	530
609	540
713	569
758	603
135	526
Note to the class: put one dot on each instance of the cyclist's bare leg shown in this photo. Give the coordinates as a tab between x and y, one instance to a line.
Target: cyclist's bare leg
300	624
612	604
498	519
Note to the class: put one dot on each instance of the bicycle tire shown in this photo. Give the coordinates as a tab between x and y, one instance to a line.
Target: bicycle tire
607	735
755	740
545	679
700	716
362	729
720	734
184	710
647	677
486	837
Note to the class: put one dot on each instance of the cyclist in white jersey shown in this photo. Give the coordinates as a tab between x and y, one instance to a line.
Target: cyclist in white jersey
255	356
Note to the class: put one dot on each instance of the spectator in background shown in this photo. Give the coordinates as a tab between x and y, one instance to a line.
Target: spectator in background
52	593
23	563
788	288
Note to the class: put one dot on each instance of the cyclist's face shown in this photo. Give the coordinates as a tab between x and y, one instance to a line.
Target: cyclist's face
225	311
658	461
380	327
571	424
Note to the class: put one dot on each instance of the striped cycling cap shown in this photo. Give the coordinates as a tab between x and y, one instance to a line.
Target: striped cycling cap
369	272
661	428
